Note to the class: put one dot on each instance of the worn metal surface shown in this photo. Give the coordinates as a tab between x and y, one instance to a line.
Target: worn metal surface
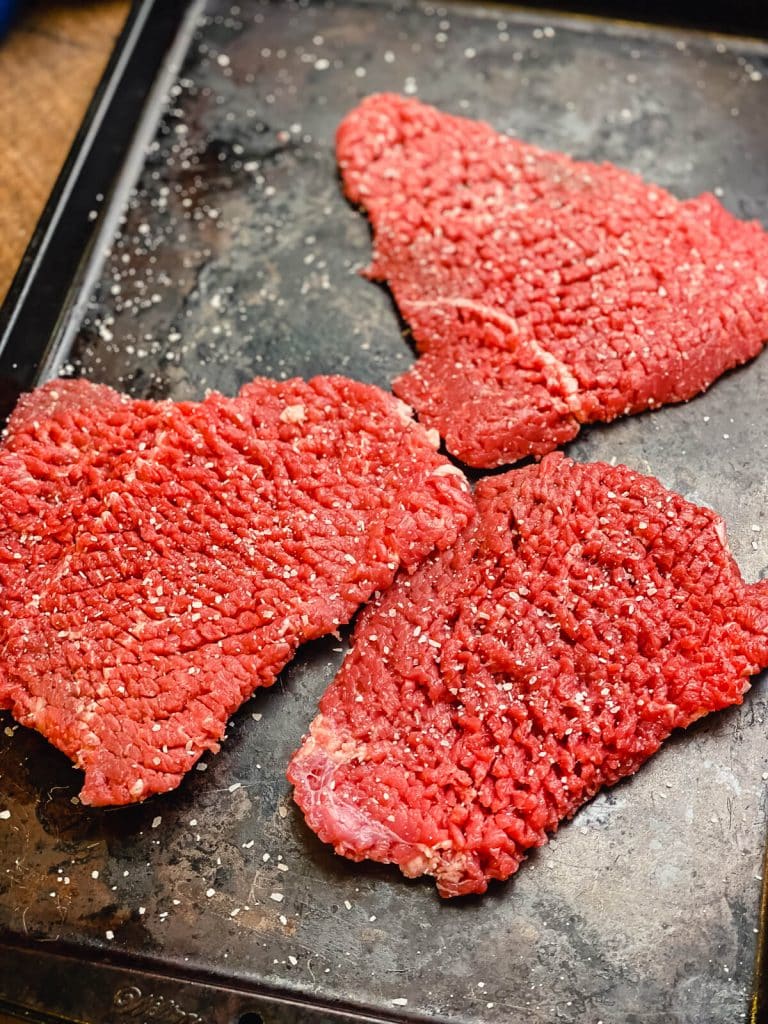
237	257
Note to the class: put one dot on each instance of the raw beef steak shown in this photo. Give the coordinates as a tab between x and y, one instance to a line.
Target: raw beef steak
585	614
161	560
542	292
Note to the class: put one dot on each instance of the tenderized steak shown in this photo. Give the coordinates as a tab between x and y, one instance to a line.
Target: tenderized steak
584	615
161	560
542	292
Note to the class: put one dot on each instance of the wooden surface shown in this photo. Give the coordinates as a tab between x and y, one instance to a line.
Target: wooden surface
50	64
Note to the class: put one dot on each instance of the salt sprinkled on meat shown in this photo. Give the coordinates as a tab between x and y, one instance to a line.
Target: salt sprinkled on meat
585	614
159	561
544	293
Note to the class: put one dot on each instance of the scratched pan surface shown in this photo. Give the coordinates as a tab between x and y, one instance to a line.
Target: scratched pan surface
237	256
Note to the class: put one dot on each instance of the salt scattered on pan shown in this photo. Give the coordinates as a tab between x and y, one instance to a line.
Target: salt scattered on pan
277	897
5	815
292	961
210	892
110	934
235	786
401	1001
156	821
347	904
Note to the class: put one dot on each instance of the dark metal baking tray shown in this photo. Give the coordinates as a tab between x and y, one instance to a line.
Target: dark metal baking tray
234	254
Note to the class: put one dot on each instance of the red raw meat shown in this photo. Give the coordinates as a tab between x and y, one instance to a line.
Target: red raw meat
159	561
583	615
542	292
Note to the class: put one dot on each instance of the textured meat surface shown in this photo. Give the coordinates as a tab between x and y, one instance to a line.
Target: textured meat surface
161	560
585	614
544	293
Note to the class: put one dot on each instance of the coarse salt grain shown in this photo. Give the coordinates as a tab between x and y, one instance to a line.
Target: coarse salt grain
277	897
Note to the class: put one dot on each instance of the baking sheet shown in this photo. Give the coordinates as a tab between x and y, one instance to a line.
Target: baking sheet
237	257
